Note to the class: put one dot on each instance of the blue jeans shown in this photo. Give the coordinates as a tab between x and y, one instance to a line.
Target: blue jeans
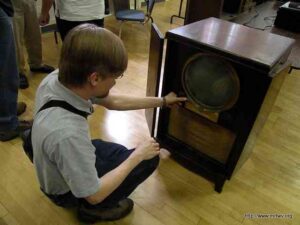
108	157
9	77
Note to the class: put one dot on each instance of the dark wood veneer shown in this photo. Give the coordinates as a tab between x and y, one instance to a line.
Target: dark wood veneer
230	134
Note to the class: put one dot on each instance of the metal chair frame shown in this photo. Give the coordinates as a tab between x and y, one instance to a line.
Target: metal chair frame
150	5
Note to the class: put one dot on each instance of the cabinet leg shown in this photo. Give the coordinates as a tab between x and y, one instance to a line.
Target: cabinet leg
219	183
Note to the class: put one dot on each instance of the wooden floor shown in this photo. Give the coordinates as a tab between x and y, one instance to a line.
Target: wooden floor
269	182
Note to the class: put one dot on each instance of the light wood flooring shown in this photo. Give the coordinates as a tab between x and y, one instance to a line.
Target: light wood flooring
268	183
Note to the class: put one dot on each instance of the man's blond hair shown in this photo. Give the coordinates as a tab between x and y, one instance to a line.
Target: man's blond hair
87	49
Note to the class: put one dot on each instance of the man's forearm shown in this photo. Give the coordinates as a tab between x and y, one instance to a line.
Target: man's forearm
46	6
110	181
124	102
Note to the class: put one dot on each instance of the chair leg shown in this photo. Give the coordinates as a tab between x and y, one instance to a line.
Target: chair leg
55	37
120	29
148	18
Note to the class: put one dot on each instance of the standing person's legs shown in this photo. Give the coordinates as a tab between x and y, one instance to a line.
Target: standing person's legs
64	26
33	39
107	8
8	79
99	23
32	35
18	25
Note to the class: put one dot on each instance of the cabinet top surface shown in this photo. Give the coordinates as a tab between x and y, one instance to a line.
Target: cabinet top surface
238	40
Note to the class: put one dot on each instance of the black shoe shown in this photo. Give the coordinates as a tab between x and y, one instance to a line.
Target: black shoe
91	215
11	134
23	81
27	144
42	69
8	135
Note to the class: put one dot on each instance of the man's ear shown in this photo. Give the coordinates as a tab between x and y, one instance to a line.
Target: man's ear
94	79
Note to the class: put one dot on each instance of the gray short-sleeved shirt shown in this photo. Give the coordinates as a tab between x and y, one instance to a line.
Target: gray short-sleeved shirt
64	157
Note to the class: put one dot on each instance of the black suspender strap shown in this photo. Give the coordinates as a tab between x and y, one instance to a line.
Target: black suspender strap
26	137
65	105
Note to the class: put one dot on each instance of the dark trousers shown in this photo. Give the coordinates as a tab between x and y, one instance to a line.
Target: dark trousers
108	157
64	26
9	76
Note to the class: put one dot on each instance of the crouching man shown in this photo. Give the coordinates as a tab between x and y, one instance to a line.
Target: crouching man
95	176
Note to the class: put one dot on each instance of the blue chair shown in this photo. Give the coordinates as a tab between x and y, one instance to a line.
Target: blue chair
123	13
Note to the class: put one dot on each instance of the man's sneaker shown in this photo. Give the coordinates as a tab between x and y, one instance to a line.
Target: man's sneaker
11	134
23	81
91	215
44	68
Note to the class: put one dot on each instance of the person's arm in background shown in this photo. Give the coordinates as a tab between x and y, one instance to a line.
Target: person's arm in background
126	102
45	16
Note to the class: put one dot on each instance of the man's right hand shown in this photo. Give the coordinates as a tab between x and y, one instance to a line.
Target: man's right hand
44	19
146	150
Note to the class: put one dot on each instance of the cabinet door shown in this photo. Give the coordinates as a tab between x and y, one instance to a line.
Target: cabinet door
154	70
